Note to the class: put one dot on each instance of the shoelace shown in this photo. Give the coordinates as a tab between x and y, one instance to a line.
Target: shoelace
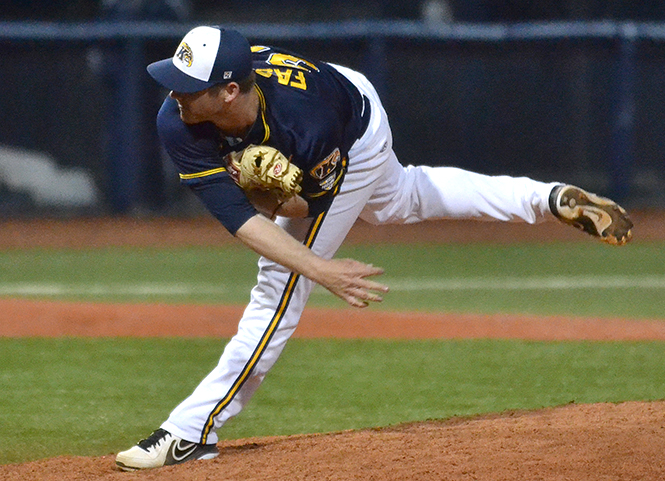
153	440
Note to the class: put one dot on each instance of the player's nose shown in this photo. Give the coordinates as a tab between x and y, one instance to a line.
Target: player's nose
180	96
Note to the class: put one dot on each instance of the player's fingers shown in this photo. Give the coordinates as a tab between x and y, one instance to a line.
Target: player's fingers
348	281
353	302
371	270
363	296
372	286
361	271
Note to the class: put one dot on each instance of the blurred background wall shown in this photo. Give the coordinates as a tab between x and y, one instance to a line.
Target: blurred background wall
571	91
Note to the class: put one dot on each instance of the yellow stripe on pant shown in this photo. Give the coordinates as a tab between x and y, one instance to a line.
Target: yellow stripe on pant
265	339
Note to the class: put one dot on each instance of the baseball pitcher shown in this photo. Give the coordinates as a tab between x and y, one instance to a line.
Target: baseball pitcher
288	153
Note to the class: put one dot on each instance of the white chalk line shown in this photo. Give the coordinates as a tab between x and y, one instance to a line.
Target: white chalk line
147	289
531	283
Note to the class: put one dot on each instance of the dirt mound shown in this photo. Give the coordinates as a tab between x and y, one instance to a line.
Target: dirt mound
575	442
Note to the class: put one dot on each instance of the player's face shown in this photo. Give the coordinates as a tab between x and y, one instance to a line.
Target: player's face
198	106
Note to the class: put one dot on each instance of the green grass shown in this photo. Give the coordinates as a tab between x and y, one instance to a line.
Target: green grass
225	275
526	261
97	396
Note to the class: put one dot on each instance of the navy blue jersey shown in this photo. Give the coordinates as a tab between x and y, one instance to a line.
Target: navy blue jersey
308	111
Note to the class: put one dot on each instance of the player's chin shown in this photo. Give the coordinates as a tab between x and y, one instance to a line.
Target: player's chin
189	118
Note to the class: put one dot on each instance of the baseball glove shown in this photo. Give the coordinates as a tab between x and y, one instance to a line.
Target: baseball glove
263	168
270	181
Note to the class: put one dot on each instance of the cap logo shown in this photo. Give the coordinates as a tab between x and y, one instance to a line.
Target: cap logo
228	74
185	54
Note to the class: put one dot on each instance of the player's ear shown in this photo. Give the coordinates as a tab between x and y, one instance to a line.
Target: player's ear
230	91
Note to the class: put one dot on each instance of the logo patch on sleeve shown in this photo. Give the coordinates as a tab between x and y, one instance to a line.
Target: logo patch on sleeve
326	166
328	183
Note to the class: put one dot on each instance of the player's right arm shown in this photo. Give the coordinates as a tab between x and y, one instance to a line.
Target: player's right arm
346	278
196	154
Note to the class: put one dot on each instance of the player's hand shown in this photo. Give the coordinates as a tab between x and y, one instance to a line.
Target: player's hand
346	279
343	277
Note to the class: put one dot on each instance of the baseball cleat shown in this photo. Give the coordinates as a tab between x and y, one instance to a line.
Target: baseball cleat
162	448
595	215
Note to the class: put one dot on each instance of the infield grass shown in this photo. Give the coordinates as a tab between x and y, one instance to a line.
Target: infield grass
100	396
586	279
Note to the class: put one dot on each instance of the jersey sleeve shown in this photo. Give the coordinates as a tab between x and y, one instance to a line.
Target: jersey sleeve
194	149
225	203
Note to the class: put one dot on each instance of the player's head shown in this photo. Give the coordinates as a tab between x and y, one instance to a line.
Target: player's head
206	56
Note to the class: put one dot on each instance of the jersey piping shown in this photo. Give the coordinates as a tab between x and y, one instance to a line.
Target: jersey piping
262	104
205	173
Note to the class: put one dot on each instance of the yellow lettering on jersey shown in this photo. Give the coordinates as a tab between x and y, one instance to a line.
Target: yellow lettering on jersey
284	76
284	60
264	72
259	48
299	81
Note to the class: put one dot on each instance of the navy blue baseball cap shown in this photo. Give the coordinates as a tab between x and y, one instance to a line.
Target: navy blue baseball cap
205	57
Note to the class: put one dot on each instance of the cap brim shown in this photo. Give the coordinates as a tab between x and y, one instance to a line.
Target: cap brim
168	75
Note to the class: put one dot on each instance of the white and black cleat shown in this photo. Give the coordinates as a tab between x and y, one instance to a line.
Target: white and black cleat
595	215
162	448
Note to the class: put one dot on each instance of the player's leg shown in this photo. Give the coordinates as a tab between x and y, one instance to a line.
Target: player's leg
276	304
413	194
268	321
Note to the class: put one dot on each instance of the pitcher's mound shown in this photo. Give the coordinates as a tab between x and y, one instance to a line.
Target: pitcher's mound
575	442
